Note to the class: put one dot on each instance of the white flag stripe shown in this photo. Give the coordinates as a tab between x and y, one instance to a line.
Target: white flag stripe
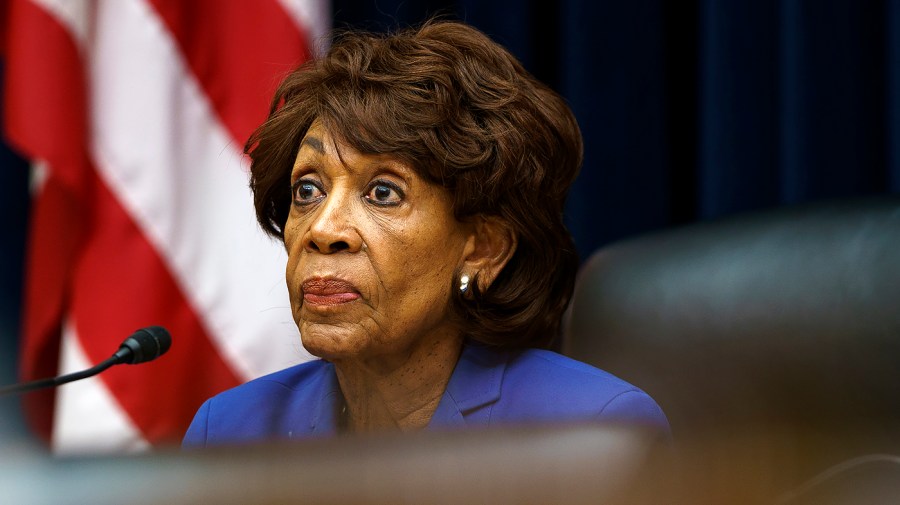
181	178
87	417
314	19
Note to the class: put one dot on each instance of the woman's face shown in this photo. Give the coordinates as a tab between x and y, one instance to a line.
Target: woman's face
372	250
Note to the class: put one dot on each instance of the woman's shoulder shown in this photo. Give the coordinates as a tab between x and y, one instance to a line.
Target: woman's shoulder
262	408
541	370
283	383
551	385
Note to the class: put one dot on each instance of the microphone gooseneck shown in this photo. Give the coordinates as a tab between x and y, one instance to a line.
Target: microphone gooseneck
143	345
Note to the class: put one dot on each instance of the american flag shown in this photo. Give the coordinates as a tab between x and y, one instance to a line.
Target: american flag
135	113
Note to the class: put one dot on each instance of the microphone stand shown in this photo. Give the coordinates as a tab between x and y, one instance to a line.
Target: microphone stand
145	344
62	379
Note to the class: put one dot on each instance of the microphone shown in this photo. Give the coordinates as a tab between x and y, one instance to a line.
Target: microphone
143	345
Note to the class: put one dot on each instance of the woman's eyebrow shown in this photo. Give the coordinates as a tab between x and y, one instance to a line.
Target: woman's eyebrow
315	143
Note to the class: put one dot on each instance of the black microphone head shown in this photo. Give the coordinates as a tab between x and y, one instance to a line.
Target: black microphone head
144	345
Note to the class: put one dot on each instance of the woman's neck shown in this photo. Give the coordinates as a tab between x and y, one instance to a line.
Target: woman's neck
402	395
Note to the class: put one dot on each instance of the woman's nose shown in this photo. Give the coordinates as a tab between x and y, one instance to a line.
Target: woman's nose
333	226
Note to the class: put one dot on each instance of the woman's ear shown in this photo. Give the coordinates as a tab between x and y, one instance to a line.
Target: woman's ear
489	249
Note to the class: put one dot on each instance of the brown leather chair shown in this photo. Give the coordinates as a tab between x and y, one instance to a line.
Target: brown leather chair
771	340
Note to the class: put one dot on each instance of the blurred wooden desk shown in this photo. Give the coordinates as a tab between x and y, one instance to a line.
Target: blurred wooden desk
583	464
571	464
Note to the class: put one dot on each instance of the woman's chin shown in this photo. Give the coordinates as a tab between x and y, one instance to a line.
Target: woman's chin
329	349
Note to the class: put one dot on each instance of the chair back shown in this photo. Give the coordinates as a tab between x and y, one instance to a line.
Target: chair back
785	321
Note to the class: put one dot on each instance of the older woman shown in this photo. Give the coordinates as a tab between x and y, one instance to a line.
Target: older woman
417	181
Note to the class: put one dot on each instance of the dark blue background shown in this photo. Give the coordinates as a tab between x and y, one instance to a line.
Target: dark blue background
13	223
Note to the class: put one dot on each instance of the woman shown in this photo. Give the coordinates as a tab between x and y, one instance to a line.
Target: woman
417	181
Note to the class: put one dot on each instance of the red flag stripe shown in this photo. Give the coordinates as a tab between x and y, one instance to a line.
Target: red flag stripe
55	225
32	101
234	49
35	105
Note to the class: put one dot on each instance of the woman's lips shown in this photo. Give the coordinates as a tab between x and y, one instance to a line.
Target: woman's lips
328	291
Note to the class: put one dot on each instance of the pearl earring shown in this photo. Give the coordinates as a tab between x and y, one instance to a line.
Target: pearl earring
464	284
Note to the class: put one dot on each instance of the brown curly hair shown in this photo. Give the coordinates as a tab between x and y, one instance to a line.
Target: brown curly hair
463	112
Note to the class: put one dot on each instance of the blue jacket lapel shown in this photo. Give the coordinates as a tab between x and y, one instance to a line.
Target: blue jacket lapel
473	388
324	413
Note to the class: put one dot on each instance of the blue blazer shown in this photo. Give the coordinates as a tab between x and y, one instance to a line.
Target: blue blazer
487	387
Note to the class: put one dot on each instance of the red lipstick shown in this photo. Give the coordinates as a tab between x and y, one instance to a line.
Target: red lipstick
328	291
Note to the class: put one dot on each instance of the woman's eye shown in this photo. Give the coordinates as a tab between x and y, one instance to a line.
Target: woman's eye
384	193
306	191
